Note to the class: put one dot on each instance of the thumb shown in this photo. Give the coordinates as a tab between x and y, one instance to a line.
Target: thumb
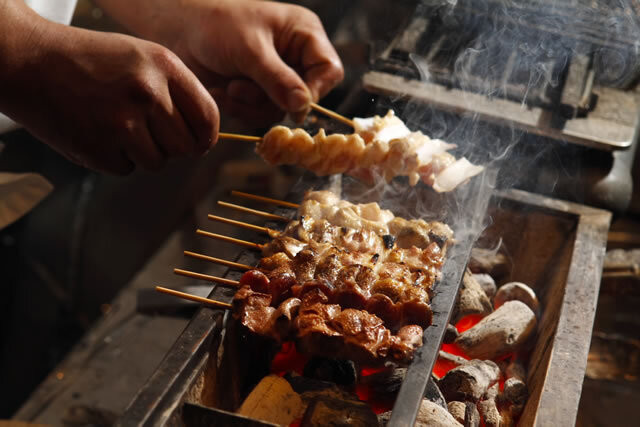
283	85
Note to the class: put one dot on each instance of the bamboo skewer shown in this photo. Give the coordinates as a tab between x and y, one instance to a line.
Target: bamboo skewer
332	114
255	212
190	297
220	261
238	137
314	106
200	276
230	239
271	233
265	199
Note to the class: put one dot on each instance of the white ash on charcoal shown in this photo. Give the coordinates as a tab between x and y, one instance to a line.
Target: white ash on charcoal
516	291
450	334
471	299
513	369
388	382
487	283
443	356
466	413
515	392
309	388
429	415
433	415
434	394
489	409
504	331
511	400
448	359
489	261
469	381
326	404
273	400
323	411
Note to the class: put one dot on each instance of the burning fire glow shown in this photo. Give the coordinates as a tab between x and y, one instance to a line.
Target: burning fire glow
288	359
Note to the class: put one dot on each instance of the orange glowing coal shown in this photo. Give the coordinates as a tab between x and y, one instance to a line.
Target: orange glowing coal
288	360
441	367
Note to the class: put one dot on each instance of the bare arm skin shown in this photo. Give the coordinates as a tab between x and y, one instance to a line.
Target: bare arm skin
106	101
250	53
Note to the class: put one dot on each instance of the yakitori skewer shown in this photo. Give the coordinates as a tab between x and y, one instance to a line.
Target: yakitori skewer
220	261
271	233
255	212
332	114
200	276
196	298
238	137
230	239
265	199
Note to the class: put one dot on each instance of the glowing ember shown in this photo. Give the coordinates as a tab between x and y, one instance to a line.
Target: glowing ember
378	404
288	359
441	367
468	322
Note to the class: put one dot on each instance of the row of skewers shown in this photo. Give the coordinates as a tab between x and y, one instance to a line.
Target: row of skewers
341	280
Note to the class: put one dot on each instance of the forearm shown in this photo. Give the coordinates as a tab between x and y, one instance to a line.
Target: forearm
20	47
157	20
19	25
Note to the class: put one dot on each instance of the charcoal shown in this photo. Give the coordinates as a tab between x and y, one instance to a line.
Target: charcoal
466	413
469	381
488	408
433	415
433	393
387	381
450	334
323	411
471	299
487	283
504	331
341	372
516	291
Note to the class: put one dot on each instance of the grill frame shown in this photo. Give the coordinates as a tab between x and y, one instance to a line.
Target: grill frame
160	401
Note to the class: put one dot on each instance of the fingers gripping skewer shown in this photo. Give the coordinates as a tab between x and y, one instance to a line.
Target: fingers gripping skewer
230	239
255	212
265	199
331	114
220	261
190	297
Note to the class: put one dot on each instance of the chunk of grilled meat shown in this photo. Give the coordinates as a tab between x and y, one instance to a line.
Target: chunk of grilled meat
325	329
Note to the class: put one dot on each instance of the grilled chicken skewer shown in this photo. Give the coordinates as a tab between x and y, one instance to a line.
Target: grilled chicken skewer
323	282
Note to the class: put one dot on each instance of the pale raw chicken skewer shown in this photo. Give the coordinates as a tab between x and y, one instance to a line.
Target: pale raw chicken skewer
381	146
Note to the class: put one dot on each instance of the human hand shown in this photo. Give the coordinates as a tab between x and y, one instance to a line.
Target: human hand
255	54
106	101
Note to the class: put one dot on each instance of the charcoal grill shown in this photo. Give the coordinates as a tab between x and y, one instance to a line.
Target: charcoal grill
562	74
557	247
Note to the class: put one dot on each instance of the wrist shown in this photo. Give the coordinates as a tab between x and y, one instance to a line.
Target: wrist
21	40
